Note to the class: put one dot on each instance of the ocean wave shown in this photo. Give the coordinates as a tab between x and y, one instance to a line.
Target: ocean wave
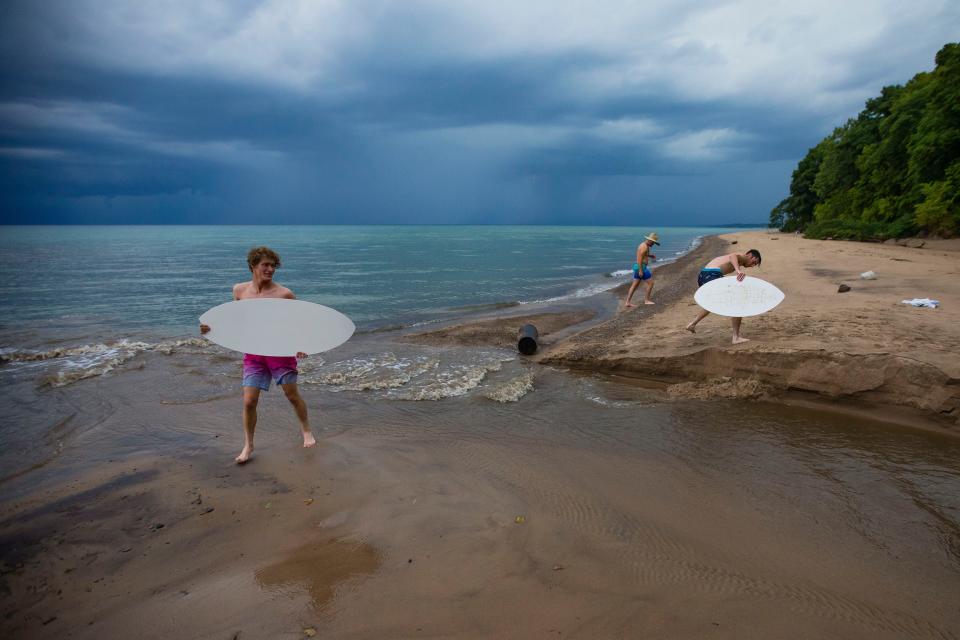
72	364
615	404
396	376
345	371
455	381
421	377
12	355
584	292
512	390
370	373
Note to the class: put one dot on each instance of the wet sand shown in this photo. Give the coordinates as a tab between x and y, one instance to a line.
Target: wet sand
586	508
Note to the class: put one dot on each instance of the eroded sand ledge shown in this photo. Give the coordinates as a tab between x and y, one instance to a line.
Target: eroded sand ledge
863	349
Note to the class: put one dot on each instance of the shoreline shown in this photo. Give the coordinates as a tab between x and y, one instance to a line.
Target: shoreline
883	377
814	350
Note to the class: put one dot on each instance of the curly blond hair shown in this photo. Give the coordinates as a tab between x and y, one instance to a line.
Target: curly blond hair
258	254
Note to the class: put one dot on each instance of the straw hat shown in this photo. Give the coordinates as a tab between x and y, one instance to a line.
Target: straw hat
654	238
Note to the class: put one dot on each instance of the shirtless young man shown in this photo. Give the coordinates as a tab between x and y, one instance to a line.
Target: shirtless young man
719	267
258	370
640	271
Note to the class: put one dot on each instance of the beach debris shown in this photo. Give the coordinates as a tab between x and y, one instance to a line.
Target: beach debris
733	242
520	519
843	288
309	632
557	567
126	550
527	339
308	501
922	302
198	500
207	510
913	243
157	526
267	506
868	275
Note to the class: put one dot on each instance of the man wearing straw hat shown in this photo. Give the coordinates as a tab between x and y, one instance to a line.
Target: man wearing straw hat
641	273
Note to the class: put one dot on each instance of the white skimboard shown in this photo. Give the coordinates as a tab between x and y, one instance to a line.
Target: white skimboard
749	297
276	326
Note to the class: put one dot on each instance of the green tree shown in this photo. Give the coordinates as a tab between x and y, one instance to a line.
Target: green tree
891	171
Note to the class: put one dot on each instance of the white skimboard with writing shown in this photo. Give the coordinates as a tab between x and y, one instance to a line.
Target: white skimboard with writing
748	297
276	326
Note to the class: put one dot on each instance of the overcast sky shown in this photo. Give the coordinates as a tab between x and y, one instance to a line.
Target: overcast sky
600	112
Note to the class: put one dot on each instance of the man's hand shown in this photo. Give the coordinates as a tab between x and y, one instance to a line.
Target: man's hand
301	355
740	276
204	329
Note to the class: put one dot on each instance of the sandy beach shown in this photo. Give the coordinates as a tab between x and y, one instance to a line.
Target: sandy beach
650	483
859	350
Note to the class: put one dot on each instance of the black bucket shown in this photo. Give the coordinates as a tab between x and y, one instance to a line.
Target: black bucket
527	344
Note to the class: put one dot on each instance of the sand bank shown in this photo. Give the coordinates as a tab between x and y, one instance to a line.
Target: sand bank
861	350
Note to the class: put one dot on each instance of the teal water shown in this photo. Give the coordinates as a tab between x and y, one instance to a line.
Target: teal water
97	281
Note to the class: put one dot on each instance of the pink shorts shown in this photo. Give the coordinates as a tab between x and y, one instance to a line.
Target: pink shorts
258	370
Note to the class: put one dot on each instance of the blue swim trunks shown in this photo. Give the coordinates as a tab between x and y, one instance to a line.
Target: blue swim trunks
259	370
706	275
641	274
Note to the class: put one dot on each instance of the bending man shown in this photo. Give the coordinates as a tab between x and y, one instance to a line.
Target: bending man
719	267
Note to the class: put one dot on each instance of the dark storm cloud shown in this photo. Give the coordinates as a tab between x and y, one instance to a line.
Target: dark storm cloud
429	112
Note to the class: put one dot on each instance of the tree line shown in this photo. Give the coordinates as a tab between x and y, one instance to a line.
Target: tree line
893	171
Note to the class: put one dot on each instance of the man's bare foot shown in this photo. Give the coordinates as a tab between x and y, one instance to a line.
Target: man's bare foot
308	440
649	302
740	340
691	328
245	454
629	306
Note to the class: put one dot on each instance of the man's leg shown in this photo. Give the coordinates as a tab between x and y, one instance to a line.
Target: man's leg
736	331
692	327
300	407
251	396
649	284
633	287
